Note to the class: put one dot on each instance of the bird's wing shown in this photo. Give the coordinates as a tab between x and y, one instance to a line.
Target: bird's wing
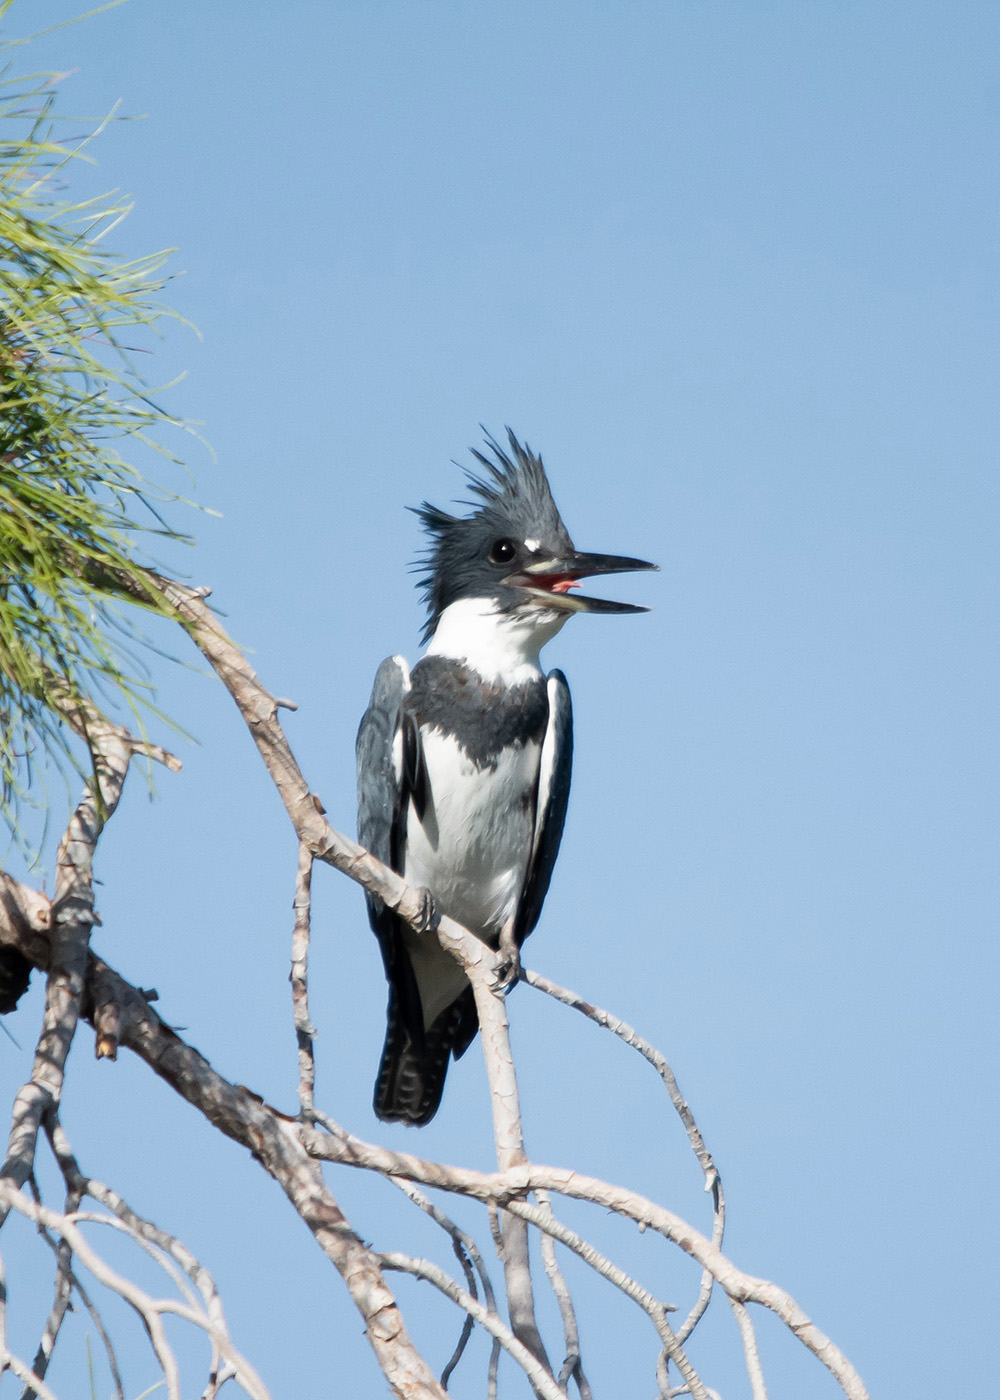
391	772
379	753
554	772
388	767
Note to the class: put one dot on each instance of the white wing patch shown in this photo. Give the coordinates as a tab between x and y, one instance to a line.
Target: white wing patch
397	740
547	765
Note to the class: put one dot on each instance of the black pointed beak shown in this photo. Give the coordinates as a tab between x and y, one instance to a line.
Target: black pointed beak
553	578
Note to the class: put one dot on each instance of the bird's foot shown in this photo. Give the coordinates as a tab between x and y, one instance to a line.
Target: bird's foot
426	913
507	969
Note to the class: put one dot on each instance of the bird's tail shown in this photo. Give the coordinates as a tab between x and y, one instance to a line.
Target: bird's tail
411	1076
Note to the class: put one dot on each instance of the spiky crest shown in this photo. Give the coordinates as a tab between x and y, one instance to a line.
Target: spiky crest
514	499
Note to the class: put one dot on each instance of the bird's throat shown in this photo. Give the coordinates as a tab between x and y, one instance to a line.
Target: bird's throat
498	645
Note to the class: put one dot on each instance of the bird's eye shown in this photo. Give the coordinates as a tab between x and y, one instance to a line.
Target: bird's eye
502	551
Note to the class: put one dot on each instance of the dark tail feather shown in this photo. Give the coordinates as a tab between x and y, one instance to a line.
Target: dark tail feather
411	1077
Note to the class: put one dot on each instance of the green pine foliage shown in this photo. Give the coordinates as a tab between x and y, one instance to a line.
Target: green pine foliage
76	519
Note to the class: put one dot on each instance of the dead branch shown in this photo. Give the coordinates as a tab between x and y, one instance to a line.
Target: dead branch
53	1324
502	1188
750	1352
468	1255
572	1367
299	978
539	1376
65	1282
274	1141
150	1310
713	1181
652	1307
495	1034
71	918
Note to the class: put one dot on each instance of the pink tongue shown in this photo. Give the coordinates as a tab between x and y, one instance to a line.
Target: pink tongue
564	585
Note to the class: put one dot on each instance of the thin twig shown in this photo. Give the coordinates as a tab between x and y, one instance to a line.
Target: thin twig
750	1352
10	1362
571	1331
150	1310
572	1367
652	1307
494	1365
167	1251
469	1256
95	1318
63	1290
713	1181
217	1380
540	1378
299	978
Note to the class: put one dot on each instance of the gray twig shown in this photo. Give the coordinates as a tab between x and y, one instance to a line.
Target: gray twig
469	1256
299	978
713	1181
541	1379
572	1367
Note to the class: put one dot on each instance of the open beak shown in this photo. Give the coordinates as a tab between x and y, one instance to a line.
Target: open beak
552	580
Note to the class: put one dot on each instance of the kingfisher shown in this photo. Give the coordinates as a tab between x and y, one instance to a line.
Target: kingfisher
464	761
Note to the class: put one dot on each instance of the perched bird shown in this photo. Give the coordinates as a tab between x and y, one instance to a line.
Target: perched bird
464	762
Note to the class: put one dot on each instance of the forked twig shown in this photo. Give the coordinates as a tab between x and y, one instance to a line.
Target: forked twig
539	1376
469	1256
713	1181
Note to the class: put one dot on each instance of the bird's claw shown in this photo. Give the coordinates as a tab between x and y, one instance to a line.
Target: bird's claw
507	969
426	914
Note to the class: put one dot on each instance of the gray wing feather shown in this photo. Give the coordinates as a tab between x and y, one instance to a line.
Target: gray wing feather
383	797
555	770
390	771
380	778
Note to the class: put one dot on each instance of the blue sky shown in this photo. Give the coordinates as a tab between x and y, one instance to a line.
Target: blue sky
732	268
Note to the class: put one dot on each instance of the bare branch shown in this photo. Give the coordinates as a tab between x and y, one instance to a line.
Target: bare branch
150	1310
494	1031
668	1392
503	1188
57	1313
750	1352
468	1254
299	978
54	1323
713	1181
216	1381
62	1291
72	917
32	1383
540	1378
572	1366
654	1309
275	1142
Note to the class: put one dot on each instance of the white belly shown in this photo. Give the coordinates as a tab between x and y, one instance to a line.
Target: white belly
471	851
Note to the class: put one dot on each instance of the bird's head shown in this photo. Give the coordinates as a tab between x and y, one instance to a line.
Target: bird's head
514	550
